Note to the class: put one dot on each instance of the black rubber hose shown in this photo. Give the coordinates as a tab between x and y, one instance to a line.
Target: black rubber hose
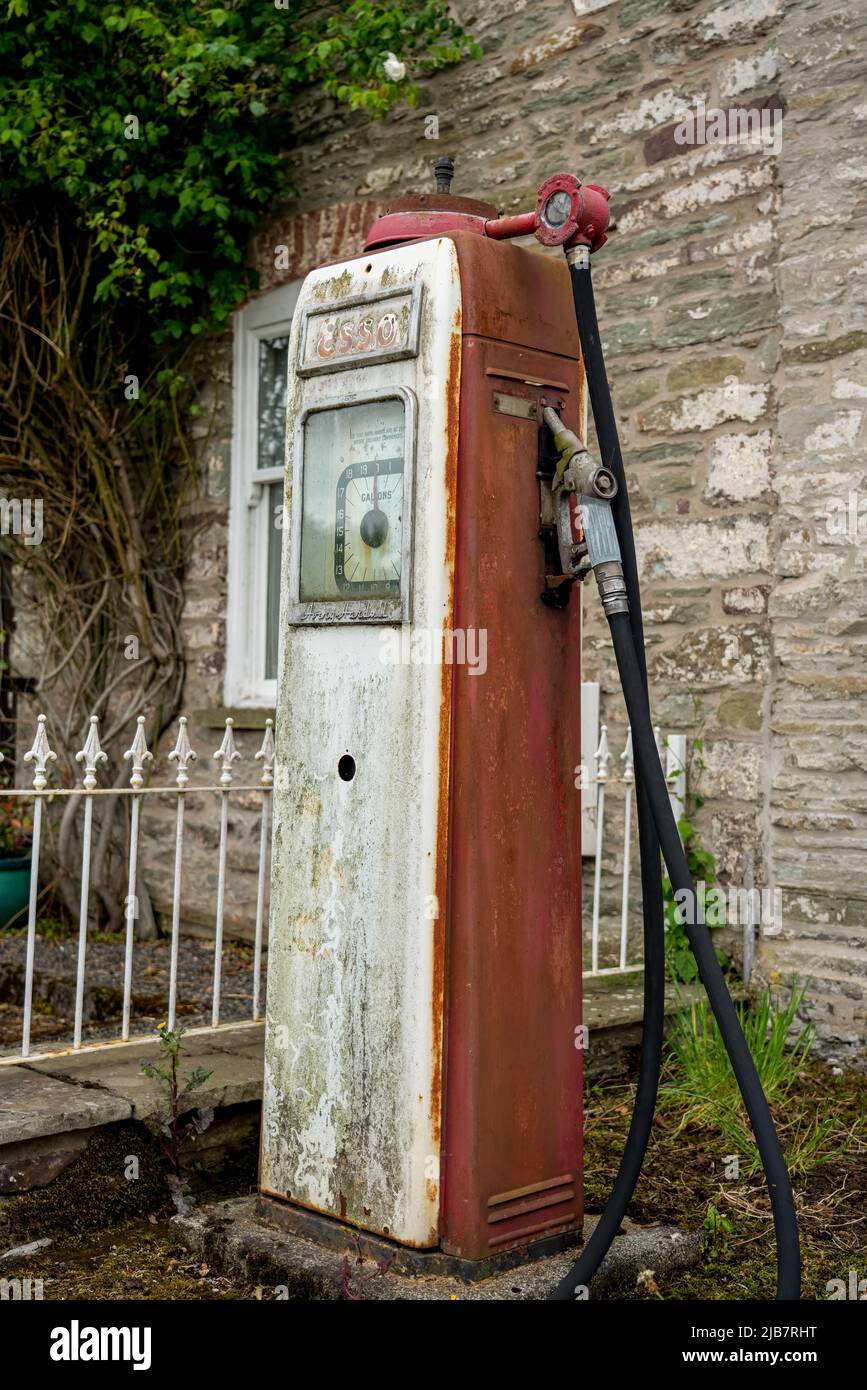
653	1025
608	441
652	804
648	768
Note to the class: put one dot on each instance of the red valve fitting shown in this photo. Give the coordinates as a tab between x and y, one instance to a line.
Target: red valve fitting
569	213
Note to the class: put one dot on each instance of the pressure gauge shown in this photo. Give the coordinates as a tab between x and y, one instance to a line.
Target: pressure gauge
352	549
557	209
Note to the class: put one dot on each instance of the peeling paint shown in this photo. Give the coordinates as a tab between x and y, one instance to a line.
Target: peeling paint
353	1088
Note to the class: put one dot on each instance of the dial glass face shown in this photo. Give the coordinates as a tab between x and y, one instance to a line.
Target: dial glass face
557	209
353	502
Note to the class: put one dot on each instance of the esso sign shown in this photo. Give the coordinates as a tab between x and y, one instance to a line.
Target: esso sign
351	337
375	328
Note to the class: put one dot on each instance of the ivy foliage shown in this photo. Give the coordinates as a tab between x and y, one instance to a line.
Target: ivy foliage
164	126
140	144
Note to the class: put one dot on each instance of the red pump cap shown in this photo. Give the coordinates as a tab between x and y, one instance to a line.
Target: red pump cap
430	214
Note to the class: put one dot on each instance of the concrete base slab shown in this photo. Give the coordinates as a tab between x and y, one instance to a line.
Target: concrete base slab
231	1236
406	1260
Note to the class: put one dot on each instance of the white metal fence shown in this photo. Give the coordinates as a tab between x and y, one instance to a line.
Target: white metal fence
93	758
673	754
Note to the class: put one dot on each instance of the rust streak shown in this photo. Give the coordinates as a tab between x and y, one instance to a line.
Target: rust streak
444	751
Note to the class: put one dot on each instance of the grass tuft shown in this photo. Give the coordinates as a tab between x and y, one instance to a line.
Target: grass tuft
702	1084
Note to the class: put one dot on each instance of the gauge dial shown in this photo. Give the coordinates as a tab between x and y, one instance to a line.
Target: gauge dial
368	536
352	527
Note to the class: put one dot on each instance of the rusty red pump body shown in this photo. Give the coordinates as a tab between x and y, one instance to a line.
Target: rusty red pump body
501	1090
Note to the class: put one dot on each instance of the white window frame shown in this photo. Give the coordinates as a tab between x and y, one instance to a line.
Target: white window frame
269	316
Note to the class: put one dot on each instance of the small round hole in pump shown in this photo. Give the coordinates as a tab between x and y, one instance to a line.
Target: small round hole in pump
346	768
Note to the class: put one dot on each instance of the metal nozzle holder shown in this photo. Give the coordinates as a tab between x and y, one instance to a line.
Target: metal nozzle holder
594	487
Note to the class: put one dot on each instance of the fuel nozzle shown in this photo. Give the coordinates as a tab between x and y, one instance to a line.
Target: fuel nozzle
583	491
576	470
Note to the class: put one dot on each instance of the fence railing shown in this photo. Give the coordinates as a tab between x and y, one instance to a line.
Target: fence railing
672	752
93	758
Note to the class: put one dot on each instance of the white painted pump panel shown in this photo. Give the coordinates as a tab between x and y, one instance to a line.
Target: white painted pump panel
353	1051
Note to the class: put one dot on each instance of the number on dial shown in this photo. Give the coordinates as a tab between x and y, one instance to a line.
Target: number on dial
369	527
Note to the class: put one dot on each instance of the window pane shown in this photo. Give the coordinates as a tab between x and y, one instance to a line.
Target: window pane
270	453
271	434
272	601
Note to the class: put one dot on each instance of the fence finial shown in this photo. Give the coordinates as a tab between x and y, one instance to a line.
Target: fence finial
267	754
91	754
183	752
139	753
603	757
627	759
40	754
227	753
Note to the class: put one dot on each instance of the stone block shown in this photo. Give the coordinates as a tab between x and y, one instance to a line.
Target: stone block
34	1103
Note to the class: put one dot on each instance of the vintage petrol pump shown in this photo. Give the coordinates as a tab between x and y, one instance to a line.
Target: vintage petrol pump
423	1059
424	1041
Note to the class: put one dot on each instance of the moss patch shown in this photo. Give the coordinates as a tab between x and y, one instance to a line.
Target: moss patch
140	1261
93	1191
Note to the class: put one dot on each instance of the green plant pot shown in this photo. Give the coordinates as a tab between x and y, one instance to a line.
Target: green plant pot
14	887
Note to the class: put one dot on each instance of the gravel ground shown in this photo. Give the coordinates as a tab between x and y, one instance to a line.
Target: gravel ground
54	987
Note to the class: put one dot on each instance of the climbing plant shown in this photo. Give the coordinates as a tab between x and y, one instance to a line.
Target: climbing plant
140	144
679	959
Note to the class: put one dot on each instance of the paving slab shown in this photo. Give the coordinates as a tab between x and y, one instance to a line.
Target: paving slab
33	1104
233	1056
617	1001
242	1042
56	1094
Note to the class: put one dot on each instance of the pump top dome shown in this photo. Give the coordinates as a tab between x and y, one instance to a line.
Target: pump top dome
429	214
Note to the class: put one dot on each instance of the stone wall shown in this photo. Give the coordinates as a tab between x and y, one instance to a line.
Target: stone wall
814	781
732	300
